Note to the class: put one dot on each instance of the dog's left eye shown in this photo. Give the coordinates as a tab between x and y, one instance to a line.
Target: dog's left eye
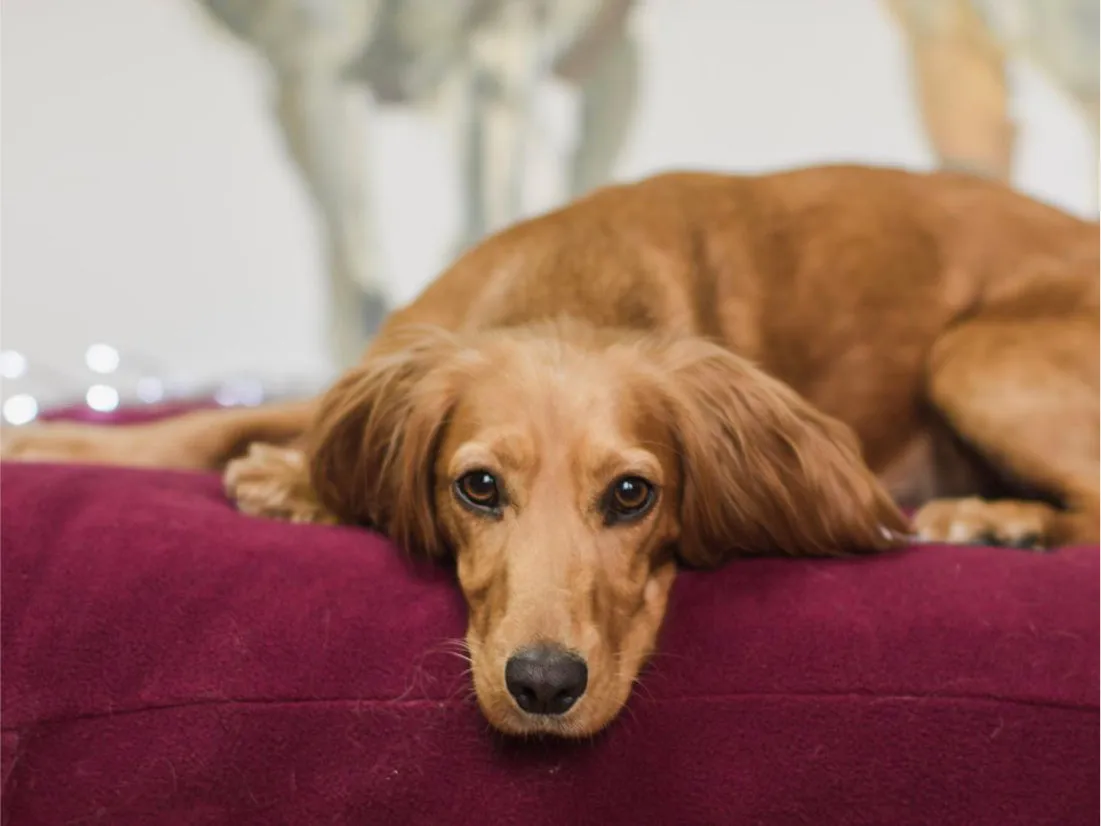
479	490
628	498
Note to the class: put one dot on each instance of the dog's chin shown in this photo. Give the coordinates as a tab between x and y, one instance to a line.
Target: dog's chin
582	721
573	725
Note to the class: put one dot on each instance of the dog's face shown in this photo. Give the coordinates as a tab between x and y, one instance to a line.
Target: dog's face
567	471
558	489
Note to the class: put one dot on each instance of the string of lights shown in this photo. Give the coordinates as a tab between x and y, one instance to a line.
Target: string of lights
110	379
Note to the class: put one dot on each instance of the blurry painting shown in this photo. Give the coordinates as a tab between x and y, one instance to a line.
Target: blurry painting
478	62
960	51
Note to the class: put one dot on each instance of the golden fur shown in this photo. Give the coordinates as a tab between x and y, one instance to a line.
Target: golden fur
775	357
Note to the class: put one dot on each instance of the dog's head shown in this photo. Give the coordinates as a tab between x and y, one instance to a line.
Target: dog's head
568	470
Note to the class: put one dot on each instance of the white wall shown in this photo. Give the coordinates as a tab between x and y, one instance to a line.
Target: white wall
146	202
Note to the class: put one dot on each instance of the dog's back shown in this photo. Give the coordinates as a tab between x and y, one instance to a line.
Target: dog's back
838	280
752	259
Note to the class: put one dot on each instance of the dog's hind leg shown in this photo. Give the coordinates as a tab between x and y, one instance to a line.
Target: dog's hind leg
199	440
1020	385
266	472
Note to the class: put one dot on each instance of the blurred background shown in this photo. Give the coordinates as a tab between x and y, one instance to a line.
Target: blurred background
224	196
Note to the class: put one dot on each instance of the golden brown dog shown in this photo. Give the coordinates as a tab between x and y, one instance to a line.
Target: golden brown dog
691	367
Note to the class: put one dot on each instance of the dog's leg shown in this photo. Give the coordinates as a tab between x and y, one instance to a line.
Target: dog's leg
326	138
327	142
496	119
200	440
604	66
1091	108
1023	392
960	80
309	47
266	471
274	482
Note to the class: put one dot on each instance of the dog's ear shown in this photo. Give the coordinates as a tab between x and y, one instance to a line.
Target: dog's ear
377	432
762	470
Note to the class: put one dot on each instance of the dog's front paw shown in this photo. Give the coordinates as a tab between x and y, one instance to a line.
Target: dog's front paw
975	521
274	482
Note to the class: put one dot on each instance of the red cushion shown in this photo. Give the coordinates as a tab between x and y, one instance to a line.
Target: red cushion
167	661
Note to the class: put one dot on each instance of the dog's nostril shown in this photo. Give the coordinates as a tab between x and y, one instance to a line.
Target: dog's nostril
546	679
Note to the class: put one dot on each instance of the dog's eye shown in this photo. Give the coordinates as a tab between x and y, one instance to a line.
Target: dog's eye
628	498
479	489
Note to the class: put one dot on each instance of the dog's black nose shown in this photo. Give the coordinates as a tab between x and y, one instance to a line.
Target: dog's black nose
546	679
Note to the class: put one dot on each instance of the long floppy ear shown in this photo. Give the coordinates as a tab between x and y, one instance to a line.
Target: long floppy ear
377	432
763	471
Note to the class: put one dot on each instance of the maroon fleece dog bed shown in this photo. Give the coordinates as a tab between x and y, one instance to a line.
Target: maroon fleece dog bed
169	661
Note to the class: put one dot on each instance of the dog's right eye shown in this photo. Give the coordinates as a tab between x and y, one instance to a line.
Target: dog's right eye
479	490
627	499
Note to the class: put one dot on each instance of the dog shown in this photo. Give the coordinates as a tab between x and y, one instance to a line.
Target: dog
681	371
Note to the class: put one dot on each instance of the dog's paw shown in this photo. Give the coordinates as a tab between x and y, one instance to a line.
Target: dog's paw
972	521
273	482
